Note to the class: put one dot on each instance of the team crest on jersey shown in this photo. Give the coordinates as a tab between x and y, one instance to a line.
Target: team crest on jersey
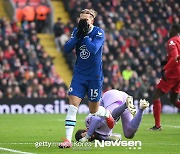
84	53
171	43
70	89
99	34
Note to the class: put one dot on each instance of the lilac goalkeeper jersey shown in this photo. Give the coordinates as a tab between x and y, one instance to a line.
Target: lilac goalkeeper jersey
110	100
113	96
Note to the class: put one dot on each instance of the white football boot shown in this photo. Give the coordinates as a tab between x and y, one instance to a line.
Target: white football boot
130	105
143	104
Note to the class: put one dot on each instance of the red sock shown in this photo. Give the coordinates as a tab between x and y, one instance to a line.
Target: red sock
177	104
157	112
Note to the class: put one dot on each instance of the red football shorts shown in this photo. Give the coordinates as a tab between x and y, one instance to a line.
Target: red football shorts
170	84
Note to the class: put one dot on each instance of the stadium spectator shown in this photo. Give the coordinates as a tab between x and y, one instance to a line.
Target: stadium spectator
28	13
127	74
58	31
25	68
41	16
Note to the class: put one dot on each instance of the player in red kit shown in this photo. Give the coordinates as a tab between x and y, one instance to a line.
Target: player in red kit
170	80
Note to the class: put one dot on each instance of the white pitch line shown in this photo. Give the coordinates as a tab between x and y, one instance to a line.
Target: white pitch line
15	151
17	143
164	125
63	120
173	144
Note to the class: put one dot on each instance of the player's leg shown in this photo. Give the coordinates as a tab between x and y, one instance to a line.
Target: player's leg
70	122
157	108
175	99
130	124
118	111
126	118
174	94
93	107
162	88
94	95
76	93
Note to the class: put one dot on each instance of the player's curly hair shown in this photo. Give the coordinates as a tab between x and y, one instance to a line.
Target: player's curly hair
78	135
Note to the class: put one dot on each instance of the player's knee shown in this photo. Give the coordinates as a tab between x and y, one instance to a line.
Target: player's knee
174	100
93	107
73	100
157	94
129	136
92	111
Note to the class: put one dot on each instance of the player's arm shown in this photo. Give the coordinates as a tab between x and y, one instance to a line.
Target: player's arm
175	57
94	45
94	124
71	44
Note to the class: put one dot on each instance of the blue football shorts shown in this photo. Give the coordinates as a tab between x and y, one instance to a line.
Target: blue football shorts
93	89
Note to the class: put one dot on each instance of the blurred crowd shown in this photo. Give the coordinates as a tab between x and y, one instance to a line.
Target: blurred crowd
33	10
25	68
136	34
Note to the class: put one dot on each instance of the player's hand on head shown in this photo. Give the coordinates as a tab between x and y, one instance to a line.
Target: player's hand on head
82	28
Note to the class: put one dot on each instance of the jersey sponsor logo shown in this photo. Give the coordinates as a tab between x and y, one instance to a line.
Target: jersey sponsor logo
171	43
84	53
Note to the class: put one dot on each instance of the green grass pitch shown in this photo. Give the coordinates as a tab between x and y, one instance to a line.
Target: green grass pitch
21	132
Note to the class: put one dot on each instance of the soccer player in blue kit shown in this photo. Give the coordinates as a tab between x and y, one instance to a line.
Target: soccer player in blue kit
88	41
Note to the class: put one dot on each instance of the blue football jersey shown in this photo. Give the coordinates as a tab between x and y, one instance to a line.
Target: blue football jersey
89	54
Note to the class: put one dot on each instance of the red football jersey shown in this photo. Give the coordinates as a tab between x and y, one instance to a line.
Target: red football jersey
172	67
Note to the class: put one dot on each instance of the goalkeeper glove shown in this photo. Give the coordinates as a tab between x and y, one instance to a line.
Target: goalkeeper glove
83	28
85	139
